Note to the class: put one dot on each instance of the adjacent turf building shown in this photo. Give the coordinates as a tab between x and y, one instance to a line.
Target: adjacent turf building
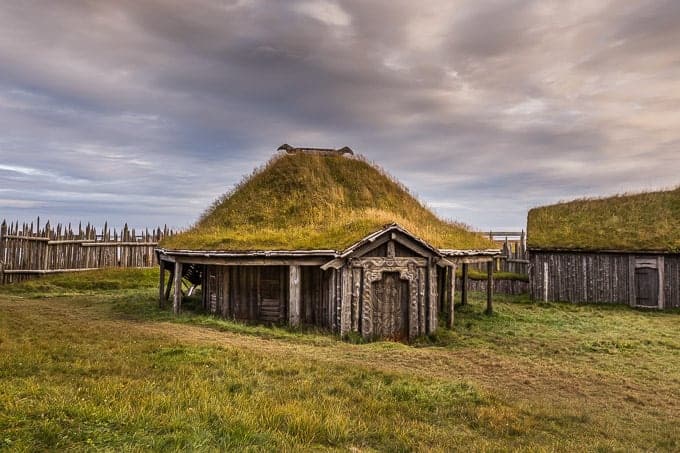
622	249
322	237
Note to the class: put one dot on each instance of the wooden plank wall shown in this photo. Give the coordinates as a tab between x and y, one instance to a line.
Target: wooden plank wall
672	282
232	292
581	277
29	250
513	287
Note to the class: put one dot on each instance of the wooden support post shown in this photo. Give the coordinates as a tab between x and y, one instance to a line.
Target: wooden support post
464	285
161	286
3	233
660	267
346	301
546	280
177	299
168	287
451	294
294	296
489	288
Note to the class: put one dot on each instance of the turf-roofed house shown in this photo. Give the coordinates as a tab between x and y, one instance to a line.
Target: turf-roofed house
622	249
321	237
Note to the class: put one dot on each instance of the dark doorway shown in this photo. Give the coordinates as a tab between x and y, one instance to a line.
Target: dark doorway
647	287
272	297
390	307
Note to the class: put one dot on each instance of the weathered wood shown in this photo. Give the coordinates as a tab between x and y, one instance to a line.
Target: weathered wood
46	271
432	299
489	289
177	297
545	282
119	243
161	285
256	261
660	269
451	302
168	287
294	296
36	251
422	300
226	292
346	301
464	285
356	298
26	238
594	277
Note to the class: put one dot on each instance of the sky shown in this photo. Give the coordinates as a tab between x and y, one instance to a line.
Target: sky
146	111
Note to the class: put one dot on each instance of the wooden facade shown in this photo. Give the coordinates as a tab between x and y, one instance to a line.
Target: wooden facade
638	279
390	285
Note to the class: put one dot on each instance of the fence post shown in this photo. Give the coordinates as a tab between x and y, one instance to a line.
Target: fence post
3	232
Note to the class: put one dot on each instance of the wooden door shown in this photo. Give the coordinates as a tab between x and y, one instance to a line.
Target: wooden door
390	307
271	294
647	287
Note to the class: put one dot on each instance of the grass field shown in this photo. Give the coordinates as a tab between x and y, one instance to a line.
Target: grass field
89	362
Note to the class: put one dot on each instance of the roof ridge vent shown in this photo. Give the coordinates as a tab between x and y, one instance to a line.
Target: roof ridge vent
322	151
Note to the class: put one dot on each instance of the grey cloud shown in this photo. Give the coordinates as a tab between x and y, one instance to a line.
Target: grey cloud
146	111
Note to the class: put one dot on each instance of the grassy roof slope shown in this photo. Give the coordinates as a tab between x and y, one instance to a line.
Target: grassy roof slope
645	221
305	202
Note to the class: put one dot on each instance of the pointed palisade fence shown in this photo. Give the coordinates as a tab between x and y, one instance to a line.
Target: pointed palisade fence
27	250
514	257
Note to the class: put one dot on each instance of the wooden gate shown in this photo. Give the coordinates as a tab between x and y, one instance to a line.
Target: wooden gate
390	307
647	287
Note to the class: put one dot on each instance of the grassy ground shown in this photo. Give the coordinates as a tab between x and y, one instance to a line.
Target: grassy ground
89	362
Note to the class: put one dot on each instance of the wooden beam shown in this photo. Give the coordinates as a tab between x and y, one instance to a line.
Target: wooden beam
451	295
632	296
250	261
432	299
294	298
112	244
464	285
161	285
168	287
49	271
177	299
346	301
660	270
489	288
546	281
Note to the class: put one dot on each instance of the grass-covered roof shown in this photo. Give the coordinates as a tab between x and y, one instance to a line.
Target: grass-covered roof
310	202
646	221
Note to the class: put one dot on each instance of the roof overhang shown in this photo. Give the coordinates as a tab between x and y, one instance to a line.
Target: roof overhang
325	258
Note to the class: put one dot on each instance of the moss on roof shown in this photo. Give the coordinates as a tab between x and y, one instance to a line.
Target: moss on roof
645	221
310	202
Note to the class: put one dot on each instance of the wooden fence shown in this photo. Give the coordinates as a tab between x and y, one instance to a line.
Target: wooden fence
514	257
28	250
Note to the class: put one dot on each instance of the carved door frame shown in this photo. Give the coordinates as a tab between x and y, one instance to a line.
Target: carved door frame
373	269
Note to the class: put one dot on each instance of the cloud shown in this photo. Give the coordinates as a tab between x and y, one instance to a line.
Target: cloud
146	111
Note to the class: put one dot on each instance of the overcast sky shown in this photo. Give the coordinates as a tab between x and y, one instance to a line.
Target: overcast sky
145	111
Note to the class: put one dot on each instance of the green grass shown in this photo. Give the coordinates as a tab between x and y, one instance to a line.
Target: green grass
89	362
305	201
645	221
